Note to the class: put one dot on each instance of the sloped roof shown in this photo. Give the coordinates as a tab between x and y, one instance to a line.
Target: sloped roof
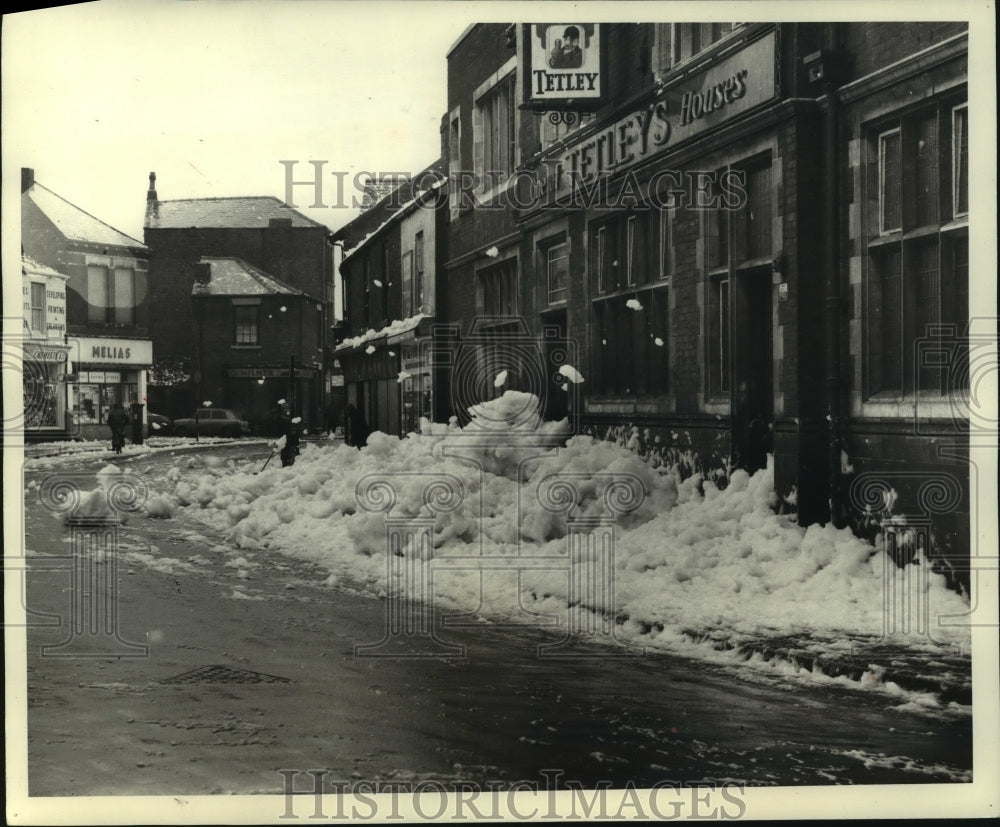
235	277
29	265
242	212
74	223
379	214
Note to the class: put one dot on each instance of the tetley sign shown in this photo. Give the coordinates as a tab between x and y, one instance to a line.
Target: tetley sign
732	86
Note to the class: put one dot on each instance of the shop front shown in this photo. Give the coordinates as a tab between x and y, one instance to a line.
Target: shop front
106	372
44	372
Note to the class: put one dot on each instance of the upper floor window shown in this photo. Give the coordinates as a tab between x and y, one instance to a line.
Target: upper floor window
110	295
494	135
38	307
419	297
245	324
674	43
960	160
454	158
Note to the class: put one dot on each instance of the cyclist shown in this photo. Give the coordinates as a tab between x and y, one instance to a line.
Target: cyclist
117	420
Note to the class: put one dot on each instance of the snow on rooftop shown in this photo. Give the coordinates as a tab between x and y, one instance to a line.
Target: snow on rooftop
396	328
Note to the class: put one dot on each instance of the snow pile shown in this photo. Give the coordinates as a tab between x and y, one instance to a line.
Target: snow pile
394	328
159	506
688	555
93	505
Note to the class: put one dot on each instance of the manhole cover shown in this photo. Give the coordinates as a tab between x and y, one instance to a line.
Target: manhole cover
224	674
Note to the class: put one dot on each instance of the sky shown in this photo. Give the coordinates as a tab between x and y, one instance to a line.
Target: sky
212	96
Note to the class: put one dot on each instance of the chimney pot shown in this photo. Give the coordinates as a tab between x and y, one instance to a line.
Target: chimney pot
151	193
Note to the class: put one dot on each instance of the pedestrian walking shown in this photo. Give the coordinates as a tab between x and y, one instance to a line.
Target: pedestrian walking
117	422
290	428
355	427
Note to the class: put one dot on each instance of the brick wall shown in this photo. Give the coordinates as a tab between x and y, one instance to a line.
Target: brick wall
296	256
874	45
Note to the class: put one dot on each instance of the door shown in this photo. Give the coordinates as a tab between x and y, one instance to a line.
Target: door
752	411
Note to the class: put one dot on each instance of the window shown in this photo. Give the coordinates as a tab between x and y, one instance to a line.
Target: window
557	270
602	261
916	282
666	243
97	294
409	288
366	289
454	158
738	240
418	272
718	336
124	312
38	308
631	343
497	303
383	289
890	174
498	285
960	160
630	307
619	258
494	133
674	43
245	324
110	295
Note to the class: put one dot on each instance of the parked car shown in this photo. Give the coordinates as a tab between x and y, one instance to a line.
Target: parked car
159	425
212	422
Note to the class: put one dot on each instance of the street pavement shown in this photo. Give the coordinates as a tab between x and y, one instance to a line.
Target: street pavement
250	672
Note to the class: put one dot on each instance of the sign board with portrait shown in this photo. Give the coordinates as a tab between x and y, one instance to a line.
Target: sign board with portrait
565	65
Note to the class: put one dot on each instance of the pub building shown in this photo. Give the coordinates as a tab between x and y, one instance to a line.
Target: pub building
750	236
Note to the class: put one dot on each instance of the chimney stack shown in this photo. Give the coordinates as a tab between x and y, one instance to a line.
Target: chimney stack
203	272
27	178
151	193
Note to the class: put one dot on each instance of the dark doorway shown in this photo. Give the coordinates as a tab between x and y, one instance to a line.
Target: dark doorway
752	398
555	353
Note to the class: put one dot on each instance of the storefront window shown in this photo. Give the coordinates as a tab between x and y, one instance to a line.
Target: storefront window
93	401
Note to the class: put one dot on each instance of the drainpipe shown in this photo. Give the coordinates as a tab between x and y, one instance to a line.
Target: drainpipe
832	77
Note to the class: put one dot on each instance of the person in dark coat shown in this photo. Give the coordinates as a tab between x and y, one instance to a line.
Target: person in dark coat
117	421
355	427
291	431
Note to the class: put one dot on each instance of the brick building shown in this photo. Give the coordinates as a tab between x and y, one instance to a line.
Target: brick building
751	240
106	304
261	231
250	331
389	272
